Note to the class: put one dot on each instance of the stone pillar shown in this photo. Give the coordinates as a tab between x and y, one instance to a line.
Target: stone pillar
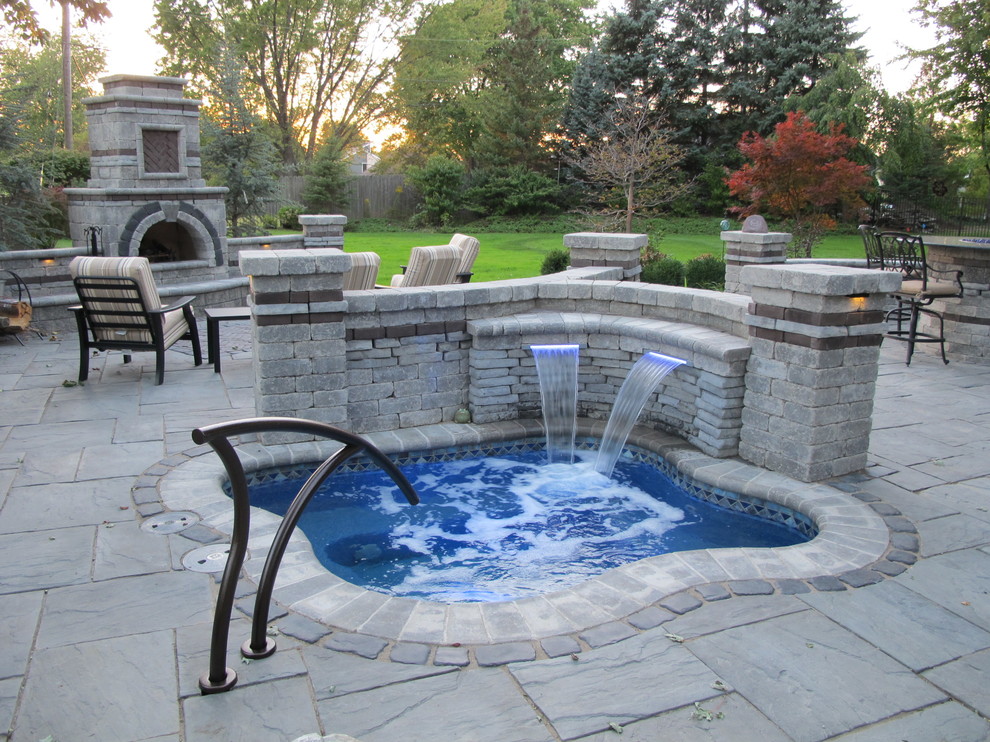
744	248
815	332
603	249
323	230
297	312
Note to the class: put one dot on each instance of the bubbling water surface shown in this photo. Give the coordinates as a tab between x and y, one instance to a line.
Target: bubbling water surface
491	529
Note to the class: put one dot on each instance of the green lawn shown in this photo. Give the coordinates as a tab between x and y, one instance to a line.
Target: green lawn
520	255
501	256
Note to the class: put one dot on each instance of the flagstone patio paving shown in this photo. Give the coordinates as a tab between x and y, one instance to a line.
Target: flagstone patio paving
105	635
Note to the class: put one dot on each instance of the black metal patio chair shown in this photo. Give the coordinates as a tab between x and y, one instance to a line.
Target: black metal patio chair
920	287
120	309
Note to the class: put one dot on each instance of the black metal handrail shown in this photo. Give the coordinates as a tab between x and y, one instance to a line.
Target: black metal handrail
221	678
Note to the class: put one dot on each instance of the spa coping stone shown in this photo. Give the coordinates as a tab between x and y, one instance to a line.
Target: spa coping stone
853	547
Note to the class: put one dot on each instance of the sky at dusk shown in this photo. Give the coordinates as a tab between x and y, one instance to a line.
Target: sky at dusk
886	26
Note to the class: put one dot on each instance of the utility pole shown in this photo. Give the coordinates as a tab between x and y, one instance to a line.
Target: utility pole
67	72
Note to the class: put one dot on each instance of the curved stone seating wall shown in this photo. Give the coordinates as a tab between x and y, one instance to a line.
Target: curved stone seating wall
388	359
702	401
397	359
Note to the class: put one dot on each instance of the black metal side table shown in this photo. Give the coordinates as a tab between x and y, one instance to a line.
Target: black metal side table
214	316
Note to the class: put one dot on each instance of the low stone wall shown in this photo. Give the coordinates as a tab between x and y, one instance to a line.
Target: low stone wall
702	401
786	375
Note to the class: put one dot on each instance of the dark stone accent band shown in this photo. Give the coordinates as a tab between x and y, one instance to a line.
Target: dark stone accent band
404	331
966	320
816	319
840	342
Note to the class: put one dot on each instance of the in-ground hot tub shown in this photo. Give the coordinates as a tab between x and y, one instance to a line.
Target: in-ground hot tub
505	524
850	536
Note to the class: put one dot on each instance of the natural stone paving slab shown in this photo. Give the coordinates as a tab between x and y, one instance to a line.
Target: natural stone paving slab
905	625
9	690
726	614
45	559
947	721
967	465
129	605
91	402
192	649
26	406
740	722
40	467
80	691
959	581
966	679
19	616
952	533
460	705
811	677
279	710
63	505
334	674
126	550
628	681
118	459
61	438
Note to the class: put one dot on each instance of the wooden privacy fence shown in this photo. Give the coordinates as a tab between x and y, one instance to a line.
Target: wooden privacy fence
369	197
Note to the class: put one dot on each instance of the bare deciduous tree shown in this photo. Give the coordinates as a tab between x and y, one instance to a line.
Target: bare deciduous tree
633	165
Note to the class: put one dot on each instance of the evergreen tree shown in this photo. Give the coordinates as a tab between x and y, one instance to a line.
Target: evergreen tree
715	69
325	190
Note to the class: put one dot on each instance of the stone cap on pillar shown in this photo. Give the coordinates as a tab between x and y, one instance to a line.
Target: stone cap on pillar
293	262
825	280
312	220
755	238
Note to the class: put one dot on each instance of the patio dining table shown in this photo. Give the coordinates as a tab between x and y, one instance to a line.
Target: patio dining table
967	318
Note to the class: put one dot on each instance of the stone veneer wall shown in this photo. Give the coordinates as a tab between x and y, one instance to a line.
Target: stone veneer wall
815	332
702	401
401	358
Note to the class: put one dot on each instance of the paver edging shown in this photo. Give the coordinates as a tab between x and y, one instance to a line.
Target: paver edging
855	546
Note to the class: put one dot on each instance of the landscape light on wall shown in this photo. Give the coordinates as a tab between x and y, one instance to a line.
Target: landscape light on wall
858	300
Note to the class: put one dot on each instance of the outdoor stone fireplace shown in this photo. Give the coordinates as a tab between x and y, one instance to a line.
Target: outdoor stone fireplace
146	194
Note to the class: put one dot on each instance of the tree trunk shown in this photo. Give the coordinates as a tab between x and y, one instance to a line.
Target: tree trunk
67	73
630	204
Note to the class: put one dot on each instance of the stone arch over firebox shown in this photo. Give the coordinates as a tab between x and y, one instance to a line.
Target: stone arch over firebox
204	236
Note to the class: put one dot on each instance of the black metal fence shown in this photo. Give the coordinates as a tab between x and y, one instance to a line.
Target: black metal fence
946	215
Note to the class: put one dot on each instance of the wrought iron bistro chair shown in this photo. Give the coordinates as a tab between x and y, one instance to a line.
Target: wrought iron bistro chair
921	285
120	309
871	246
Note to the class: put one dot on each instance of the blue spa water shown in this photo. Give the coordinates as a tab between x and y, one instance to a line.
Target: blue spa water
491	529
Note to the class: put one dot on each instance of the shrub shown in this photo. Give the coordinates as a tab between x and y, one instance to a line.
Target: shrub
664	270
440	181
513	190
705	272
288	216
556	260
61	168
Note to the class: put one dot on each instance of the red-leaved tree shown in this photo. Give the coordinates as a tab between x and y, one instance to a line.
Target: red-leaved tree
801	176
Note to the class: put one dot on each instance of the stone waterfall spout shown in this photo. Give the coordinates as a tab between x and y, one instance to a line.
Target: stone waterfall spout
644	377
557	367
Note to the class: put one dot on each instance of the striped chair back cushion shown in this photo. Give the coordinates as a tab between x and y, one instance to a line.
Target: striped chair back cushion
138	269
469	247
432	266
363	272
